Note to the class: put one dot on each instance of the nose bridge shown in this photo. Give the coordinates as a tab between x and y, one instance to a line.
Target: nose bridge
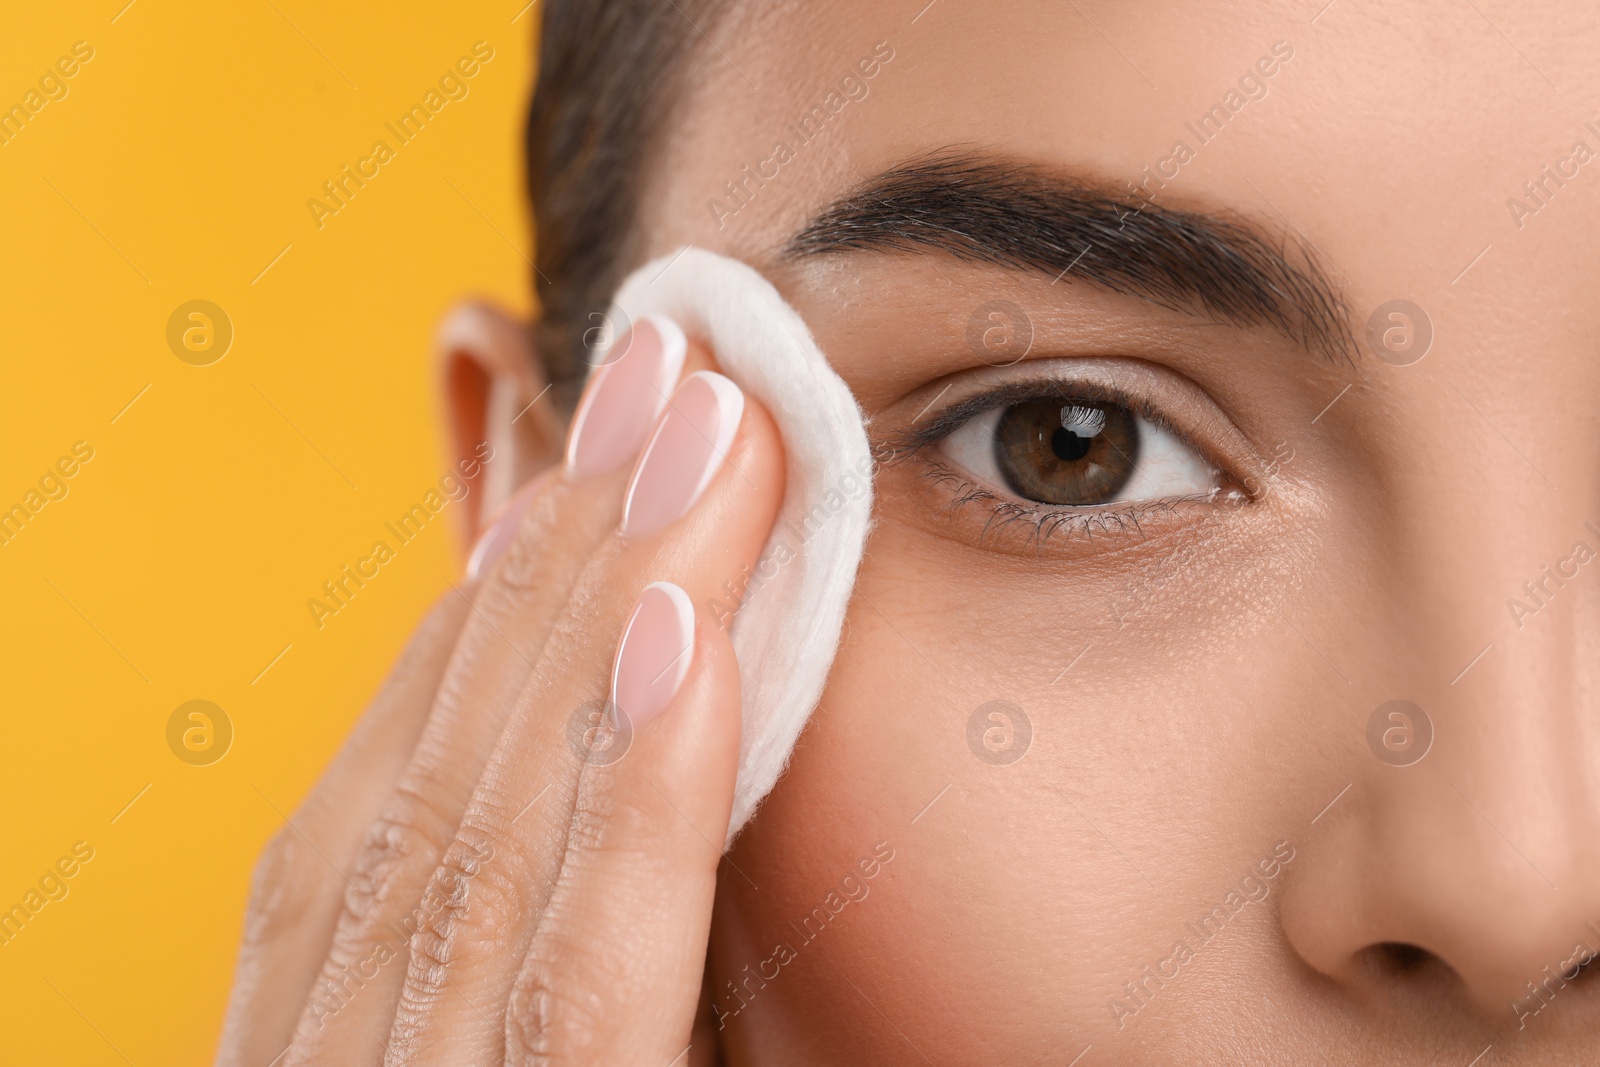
1486	850
1519	734
1513	738
1506	825
1508	808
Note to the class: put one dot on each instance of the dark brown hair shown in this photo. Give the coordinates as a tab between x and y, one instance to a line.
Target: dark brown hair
609	72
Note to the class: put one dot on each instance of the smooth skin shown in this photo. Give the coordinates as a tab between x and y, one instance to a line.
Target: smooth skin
1199	688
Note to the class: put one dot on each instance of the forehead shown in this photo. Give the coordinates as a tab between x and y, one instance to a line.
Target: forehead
1410	123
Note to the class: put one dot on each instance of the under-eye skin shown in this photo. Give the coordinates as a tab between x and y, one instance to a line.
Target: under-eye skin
1057	458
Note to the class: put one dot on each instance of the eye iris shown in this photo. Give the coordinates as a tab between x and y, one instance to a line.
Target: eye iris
1067	452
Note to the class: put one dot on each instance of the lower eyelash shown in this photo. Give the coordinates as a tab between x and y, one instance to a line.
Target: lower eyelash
1046	522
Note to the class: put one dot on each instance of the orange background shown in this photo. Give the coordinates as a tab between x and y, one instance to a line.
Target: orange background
178	564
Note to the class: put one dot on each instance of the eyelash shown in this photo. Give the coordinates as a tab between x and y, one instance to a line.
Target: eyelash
1048	522
914	443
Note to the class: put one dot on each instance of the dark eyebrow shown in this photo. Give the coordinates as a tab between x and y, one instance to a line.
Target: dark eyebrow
1016	215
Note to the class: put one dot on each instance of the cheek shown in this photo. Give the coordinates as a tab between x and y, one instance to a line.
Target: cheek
1033	809
989	862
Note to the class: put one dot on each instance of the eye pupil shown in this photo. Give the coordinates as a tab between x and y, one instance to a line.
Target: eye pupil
1078	453
1068	445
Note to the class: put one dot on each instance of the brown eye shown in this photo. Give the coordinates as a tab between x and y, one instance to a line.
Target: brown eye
1072	452
1069	452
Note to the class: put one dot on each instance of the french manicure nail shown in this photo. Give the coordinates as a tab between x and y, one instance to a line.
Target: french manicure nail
655	652
494	541
684	454
624	398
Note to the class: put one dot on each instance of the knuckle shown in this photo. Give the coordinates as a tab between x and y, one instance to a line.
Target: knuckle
628	835
589	828
283	885
524	569
607	821
563	1004
400	847
471	911
553	1016
380	904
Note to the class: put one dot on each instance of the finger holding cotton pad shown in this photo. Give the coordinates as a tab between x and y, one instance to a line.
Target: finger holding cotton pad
787	614
627	392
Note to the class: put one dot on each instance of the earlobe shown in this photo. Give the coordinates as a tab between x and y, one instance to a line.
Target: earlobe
501	426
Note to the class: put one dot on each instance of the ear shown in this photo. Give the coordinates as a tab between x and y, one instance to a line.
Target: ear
500	422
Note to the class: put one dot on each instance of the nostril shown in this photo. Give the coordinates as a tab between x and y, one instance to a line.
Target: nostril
1405	965
1398	958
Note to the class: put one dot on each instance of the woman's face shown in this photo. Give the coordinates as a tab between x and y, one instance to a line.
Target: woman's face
1195	830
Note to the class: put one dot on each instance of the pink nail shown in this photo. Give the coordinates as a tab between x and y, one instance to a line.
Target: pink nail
685	453
654	655
624	398
494	541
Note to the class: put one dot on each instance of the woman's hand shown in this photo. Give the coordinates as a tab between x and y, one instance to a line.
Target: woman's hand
487	874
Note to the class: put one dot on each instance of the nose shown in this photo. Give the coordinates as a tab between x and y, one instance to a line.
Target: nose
1473	871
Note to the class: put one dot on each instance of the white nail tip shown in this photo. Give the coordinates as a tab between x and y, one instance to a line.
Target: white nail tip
730	412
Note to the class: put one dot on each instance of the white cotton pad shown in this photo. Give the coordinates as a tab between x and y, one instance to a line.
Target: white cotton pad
791	607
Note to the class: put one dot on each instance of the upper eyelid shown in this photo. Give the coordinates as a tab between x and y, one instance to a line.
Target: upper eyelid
958	414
